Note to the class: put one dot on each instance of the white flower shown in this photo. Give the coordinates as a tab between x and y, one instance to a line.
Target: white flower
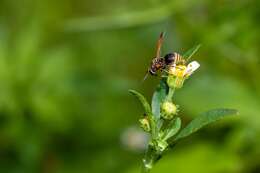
191	67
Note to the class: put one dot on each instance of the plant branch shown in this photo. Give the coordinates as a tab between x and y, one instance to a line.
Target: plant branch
170	94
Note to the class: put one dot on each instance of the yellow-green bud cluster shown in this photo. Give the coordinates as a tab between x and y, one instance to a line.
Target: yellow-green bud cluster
176	76
161	145
144	124
179	73
168	110
175	82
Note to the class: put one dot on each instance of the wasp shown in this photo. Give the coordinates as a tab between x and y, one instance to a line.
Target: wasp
160	63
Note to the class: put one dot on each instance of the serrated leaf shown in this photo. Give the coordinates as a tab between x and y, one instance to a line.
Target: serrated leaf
143	100
203	120
158	97
187	55
173	128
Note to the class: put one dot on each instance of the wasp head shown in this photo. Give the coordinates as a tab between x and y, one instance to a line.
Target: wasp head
156	65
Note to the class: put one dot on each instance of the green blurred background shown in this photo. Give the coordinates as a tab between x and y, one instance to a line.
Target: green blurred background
66	66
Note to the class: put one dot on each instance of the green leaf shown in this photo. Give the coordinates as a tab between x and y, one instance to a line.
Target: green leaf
158	97
187	55
144	102
173	128
203	120
148	112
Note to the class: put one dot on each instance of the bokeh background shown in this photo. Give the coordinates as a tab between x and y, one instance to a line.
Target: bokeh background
66	66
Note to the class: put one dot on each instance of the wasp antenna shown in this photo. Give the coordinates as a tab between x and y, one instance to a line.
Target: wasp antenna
162	34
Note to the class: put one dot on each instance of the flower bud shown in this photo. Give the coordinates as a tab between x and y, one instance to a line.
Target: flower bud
144	124
168	110
175	82
176	76
177	71
161	145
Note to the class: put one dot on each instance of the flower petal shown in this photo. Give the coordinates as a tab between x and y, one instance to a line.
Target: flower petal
194	65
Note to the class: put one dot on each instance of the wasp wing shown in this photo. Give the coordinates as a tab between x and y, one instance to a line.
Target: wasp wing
159	45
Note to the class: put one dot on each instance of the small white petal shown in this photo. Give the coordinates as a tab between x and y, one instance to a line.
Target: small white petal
194	65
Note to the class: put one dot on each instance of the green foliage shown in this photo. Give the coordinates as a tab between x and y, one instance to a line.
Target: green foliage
203	120
148	112
158	143
189	53
143	100
215	158
158	97
65	67
165	126
173	128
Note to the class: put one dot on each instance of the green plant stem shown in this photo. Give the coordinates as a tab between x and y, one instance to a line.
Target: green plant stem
150	158
170	94
153	127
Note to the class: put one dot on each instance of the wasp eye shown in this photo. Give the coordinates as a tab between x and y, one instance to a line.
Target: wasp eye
169	58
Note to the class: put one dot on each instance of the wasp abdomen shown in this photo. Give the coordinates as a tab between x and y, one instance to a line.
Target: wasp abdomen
173	58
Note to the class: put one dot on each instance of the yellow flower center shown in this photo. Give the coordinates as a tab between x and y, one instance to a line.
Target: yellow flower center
177	71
